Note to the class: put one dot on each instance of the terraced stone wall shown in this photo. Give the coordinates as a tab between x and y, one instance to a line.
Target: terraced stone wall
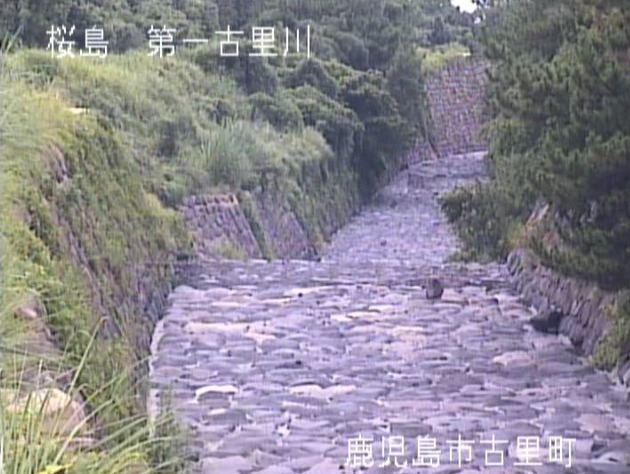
220	222
287	238
216	221
455	97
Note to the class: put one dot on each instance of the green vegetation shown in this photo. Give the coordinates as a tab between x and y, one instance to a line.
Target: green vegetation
436	58
47	431
95	155
560	91
73	204
228	250
616	347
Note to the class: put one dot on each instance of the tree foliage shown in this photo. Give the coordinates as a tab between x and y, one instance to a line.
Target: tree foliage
364	60
560	91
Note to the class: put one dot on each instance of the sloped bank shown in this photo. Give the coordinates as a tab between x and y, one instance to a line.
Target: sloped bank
593	319
74	225
85	252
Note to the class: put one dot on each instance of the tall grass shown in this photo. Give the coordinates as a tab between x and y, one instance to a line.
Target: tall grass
235	153
225	155
159	107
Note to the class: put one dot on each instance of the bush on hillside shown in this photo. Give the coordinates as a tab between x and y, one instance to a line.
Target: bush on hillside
278	110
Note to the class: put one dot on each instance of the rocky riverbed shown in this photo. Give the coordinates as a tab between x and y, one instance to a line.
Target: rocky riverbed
343	365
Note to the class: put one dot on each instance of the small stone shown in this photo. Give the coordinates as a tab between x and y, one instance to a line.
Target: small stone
32	308
512	357
434	289
276	470
547	324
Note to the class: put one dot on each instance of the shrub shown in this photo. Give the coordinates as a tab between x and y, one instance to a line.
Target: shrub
339	125
312	73
278	110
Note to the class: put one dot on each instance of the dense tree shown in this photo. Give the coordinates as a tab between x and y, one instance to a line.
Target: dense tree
560	91
311	72
439	33
32	18
405	83
387	135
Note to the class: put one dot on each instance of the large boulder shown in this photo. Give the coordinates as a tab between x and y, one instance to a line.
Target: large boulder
57	412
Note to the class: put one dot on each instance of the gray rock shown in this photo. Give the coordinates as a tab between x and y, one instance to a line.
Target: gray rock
550	323
434	289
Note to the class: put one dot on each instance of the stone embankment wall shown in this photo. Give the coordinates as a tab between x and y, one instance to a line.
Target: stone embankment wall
455	96
216	220
221	220
582	304
286	236
584	307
